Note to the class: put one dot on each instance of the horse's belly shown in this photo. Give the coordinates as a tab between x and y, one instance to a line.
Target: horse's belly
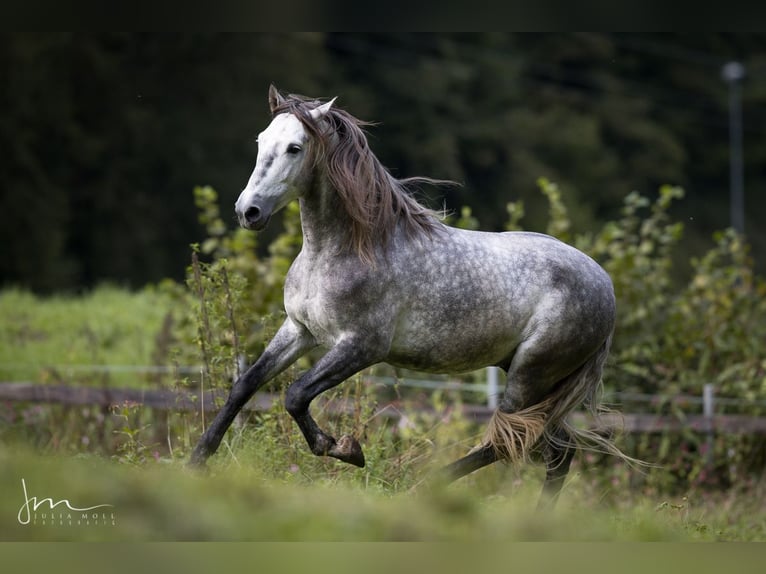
442	360
453	348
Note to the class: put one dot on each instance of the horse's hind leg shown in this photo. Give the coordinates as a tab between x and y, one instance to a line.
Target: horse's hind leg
558	458
505	419
479	458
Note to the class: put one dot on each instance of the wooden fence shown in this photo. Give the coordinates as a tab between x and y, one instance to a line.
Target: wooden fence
167	399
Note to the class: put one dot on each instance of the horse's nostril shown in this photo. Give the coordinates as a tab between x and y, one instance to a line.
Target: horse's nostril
252	214
254	218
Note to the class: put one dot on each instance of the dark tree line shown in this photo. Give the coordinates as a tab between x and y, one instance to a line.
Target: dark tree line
103	137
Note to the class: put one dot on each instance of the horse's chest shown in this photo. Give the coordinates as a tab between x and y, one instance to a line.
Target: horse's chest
324	303
308	304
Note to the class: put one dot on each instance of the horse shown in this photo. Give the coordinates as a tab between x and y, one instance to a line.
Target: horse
381	278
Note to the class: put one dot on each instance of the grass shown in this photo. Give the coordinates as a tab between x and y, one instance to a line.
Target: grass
54	339
165	501
265	485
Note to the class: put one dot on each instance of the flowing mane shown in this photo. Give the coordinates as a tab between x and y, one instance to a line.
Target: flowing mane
375	200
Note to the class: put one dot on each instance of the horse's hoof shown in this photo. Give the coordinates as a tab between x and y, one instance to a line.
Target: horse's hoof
348	450
197	461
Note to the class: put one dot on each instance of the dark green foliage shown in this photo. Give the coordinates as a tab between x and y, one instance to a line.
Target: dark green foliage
103	135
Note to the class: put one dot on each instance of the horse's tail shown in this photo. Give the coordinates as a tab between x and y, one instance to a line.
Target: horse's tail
515	436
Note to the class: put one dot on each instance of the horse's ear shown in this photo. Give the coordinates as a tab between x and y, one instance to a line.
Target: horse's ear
275	98
321	111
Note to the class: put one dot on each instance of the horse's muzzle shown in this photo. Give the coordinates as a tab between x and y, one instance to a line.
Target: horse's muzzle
254	218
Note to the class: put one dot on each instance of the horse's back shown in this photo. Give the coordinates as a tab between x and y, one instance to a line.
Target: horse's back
516	269
469	299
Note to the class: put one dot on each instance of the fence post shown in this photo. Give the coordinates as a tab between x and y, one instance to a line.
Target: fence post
708	410
492	378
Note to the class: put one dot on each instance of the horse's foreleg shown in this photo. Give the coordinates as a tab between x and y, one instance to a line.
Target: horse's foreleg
340	363
285	348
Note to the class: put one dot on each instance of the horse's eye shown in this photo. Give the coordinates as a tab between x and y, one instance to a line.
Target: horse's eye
293	149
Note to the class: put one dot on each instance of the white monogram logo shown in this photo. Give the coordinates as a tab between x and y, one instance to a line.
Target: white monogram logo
31	504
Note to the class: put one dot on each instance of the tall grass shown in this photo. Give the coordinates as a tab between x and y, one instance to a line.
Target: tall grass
164	501
67	338
264	484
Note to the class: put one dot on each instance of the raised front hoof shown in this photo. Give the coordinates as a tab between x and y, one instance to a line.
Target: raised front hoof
348	450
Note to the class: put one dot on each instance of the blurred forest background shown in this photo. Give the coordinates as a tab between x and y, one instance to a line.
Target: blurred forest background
104	136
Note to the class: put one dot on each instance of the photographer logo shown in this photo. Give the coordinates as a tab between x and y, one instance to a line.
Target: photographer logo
46	512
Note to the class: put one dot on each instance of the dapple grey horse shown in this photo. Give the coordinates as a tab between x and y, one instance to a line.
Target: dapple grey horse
381	279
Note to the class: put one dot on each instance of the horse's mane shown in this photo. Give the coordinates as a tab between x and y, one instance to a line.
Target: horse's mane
376	201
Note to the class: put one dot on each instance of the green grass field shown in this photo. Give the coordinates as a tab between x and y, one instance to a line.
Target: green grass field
167	502
264	485
61	338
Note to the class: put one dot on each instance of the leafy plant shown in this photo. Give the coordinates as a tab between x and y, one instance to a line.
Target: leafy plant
131	448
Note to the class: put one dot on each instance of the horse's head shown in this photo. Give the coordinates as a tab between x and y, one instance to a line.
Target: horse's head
284	166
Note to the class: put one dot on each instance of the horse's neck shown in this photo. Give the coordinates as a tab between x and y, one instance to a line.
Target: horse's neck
324	221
